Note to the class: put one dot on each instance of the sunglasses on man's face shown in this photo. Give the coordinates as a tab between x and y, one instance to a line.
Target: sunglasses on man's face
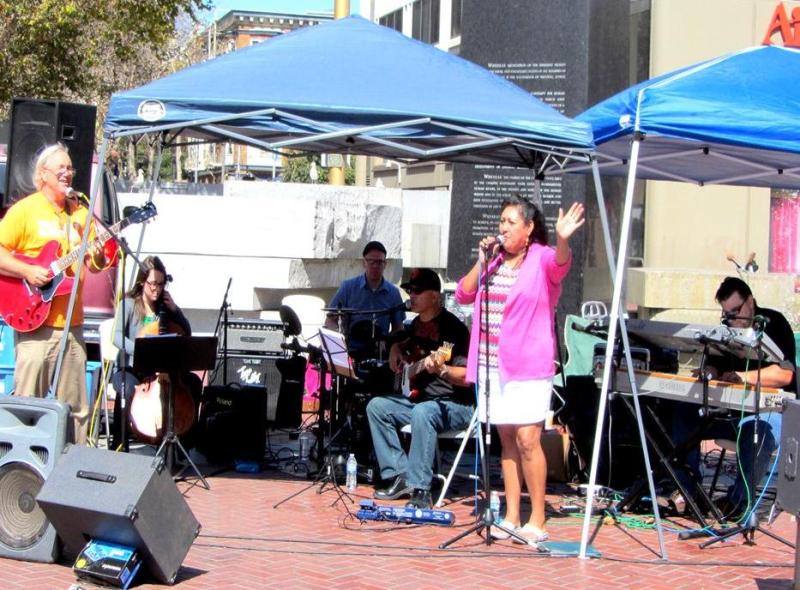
415	290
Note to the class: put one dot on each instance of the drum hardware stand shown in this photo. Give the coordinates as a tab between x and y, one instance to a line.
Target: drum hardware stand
749	528
486	520
326	474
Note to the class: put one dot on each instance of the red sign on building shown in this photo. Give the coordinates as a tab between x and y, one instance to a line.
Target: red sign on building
781	24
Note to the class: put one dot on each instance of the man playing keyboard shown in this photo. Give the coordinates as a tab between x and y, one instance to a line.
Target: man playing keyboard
740	310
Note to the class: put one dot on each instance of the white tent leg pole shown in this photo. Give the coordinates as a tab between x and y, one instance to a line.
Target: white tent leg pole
626	343
601	410
73	296
616	315
143	226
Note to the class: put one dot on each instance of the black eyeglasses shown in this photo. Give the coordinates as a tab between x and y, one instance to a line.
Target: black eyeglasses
732	314
375	261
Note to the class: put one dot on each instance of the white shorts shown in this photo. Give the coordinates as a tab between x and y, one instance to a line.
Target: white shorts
515	402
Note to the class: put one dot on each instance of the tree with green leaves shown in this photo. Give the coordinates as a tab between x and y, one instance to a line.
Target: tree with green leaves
83	51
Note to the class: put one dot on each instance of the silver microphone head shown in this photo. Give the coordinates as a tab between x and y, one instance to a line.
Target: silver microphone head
76	195
501	239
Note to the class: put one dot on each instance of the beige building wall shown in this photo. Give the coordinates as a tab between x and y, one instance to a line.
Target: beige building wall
697	227
690	230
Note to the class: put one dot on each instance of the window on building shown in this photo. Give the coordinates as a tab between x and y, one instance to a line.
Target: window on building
455	18
425	21
393	20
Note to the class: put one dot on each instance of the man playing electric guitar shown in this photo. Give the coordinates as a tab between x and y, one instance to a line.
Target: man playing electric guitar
441	400
29	225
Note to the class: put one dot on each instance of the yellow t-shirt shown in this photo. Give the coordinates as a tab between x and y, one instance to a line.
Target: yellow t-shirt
33	222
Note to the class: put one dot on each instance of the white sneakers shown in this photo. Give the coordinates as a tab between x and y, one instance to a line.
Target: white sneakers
532	534
500	534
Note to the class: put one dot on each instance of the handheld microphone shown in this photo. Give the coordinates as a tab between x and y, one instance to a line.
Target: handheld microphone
77	196
492	250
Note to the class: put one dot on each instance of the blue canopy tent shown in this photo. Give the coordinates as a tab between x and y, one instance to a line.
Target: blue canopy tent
351	86
730	120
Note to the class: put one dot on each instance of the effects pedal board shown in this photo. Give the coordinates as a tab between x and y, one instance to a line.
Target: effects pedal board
369	511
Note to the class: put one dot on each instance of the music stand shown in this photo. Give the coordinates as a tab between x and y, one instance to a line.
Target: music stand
173	354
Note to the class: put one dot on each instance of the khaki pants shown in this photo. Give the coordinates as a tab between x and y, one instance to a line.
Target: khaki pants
36	353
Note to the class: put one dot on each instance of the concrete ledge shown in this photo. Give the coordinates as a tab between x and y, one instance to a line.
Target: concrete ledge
688	295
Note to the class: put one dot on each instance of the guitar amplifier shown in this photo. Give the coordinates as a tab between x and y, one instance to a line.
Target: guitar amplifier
257	336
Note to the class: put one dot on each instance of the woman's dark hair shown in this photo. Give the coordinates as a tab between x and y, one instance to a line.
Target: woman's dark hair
530	213
135	292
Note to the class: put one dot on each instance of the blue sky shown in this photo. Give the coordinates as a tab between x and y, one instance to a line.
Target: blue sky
291	6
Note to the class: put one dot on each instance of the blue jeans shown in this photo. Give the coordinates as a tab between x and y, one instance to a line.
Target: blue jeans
685	419
428	418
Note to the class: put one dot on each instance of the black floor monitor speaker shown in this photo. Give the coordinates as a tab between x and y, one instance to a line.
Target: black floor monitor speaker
253	370
233	423
620	461
789	471
120	498
38	123
33	432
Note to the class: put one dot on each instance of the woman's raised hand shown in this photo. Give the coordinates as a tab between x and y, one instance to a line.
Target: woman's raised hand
570	221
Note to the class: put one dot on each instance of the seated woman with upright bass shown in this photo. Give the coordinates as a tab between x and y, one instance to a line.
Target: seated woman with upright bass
149	310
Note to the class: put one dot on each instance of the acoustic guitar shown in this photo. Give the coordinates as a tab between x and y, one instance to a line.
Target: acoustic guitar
404	380
25	307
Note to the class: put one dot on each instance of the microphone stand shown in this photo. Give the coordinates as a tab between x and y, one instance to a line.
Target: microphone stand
223	316
751	525
123	382
486	520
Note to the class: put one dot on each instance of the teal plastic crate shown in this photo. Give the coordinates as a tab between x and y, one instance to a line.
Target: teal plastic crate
6	379
797	350
93	371
6	344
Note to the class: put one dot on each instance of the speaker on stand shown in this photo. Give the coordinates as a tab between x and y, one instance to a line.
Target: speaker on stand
38	123
33	433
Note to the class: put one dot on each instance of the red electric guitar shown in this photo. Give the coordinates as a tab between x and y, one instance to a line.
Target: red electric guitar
25	307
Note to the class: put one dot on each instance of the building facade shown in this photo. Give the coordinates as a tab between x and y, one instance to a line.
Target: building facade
235	30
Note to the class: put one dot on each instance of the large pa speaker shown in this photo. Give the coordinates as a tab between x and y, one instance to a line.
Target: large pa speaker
789	472
233	423
33	432
120	498
38	123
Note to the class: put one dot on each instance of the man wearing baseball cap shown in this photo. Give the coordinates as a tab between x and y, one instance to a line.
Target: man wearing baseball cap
437	397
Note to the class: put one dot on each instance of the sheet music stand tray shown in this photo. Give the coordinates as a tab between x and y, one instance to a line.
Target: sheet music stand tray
173	354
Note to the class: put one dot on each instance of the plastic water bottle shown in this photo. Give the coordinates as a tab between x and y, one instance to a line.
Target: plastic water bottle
494	505
352	473
306	439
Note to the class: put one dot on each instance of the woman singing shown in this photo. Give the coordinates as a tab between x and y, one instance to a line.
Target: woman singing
525	277
147	305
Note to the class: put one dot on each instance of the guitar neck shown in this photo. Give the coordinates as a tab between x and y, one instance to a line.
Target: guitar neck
102	237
